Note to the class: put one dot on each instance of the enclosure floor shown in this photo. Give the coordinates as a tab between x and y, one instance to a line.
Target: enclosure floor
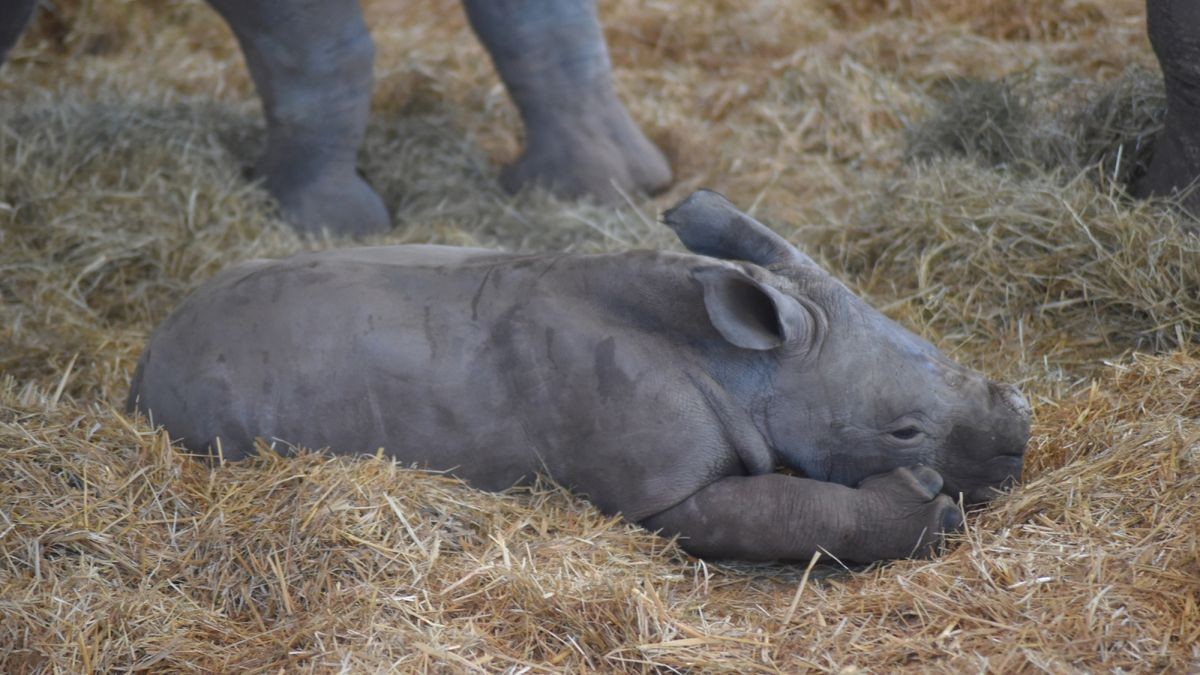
959	164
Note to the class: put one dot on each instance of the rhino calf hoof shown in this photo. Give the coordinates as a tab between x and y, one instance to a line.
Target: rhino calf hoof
905	514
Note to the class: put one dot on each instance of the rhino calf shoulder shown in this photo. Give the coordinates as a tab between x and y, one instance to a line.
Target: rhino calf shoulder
665	387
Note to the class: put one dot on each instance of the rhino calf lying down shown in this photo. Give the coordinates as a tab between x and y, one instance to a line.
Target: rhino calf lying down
666	387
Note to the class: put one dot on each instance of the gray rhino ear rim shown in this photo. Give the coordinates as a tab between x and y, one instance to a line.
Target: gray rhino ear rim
709	224
749	314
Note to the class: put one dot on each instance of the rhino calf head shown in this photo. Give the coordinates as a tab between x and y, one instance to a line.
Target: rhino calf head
855	394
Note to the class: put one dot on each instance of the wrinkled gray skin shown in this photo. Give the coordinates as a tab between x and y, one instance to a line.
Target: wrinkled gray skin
666	387
1174	30
311	62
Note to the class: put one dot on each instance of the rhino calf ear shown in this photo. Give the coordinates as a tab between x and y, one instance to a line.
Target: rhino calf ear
709	224
750	314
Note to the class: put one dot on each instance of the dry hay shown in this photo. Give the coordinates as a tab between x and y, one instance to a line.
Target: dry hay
957	163
122	552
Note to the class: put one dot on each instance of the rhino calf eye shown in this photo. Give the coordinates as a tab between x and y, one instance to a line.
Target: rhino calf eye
906	434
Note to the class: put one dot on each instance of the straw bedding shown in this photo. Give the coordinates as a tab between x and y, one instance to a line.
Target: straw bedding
961	165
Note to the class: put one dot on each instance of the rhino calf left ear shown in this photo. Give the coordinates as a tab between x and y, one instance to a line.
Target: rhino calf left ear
750	314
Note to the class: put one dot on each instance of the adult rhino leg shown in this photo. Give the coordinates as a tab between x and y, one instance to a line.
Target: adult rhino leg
579	138
311	62
1174	30
780	517
14	15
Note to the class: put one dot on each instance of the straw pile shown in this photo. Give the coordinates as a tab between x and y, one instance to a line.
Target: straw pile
961	165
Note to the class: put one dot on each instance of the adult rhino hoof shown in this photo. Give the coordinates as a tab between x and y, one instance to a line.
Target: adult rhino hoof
339	204
597	158
1171	174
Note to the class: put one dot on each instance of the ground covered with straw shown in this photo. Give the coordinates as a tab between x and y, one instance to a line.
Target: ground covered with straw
963	165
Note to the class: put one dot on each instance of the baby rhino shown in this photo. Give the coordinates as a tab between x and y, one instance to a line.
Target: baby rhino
667	387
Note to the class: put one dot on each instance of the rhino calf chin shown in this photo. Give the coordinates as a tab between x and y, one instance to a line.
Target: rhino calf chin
663	386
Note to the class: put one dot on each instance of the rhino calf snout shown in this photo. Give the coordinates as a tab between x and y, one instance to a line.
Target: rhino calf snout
985	456
1014	399
1014	417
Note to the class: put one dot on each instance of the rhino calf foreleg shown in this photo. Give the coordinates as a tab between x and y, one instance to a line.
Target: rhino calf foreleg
780	517
579	138
311	62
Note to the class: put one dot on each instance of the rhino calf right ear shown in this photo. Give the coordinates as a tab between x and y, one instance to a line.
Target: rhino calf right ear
750	314
709	224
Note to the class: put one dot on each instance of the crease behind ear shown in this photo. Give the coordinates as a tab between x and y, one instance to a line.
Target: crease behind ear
748	313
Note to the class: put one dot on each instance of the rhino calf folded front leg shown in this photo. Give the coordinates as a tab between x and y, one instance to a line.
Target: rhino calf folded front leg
779	517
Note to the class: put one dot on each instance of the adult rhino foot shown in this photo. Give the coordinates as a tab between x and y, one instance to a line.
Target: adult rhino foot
1174	171
339	203
1172	26
597	156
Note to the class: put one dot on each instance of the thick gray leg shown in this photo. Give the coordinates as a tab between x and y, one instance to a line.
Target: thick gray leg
579	138
311	63
14	16
1174	30
778	517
